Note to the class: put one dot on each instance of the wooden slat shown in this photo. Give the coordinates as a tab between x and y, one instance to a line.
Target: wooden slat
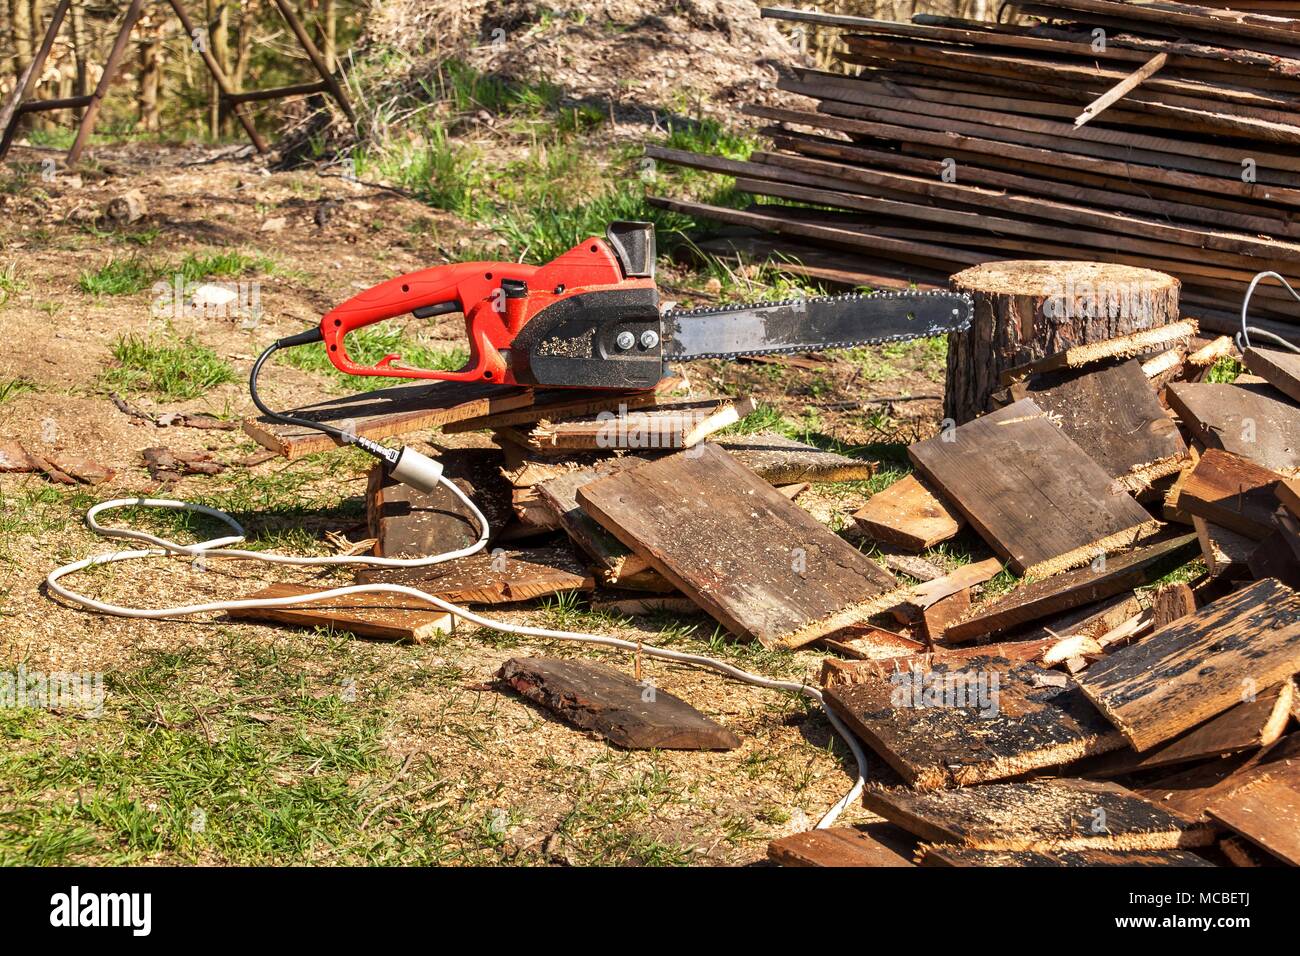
908	515
1267	812
492	577
872	844
757	562
1252	421
1232	492
561	404
1198	667
1280	369
389	617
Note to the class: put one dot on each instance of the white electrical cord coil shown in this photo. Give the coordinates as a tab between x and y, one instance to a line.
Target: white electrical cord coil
1243	337
218	548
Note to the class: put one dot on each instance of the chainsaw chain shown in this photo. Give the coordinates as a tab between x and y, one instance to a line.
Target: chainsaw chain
796	349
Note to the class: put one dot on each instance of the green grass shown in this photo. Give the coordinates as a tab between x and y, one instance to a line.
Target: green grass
195	267
1225	369
10	283
13	387
119	277
367	346
167	365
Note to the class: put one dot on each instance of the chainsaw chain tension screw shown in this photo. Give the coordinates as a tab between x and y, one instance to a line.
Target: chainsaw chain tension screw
649	339
625	340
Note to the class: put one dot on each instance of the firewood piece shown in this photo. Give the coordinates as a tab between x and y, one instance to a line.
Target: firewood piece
1226	553
970	722
1248	726
1266	812
492	577
1280	369
1232	492
936	618
1201	360
1252	421
1170	603
1121	89
561	404
1170	508
665	427
782	460
384	413
866	642
760	564
1123	346
1113	415
1041	815
908	515
913	567
632	714
129	207
1038	599
1199	666
14	458
960	856
389	617
872	844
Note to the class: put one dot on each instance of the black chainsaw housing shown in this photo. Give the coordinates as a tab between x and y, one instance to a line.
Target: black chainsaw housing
574	342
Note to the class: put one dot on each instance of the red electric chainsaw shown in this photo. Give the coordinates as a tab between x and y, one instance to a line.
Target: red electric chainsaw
591	319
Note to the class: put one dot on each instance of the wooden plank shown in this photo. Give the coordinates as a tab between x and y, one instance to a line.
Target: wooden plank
908	515
630	713
935	618
871	844
866	642
664	427
970	722
1190	790
1231	492
963	578
560	404
1041	815
1123	346
1113	414
760	564
1267	812
964	856
1280	369
1288	492
1226	553
388	617
1252	421
782	460
1031	493
1121	89
1039	599
492	577
1248	726
384	413
1199	666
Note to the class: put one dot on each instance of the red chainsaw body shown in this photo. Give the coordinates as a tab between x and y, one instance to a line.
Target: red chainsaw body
492	319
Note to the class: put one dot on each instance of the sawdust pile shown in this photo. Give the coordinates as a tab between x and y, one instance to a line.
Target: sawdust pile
658	55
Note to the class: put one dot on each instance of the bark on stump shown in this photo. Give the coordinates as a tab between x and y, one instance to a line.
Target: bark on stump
1028	309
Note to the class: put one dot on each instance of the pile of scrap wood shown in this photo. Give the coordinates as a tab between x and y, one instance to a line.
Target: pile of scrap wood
1156	135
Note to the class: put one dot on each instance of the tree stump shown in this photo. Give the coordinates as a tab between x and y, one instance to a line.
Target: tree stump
1028	309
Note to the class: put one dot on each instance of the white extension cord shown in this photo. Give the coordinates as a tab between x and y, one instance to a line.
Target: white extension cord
220	548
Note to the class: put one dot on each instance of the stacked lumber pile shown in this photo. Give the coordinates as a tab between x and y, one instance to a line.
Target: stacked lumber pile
1156	135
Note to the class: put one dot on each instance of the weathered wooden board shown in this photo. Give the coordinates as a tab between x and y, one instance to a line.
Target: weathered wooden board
871	844
1278	554
782	460
492	577
964	723
866	642
1225	552
1199	666
1190	790
560	404
1266	812
930	593
633	714
1092	621
664	427
760	564
1112	413
389	617
1244	853
1232	492
935	619
1280	369
835	671
1064	592
1288	492
385	412
1125	346
1248	726
1252	421
1031	493
1041	815
908	515
965	856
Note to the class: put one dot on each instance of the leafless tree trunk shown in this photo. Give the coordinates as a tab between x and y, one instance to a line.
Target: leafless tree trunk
329	32
150	71
20	18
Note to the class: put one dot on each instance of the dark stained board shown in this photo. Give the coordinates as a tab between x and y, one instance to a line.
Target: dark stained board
1278	554
1050	815
1112	413
974	721
1199	666
408	523
384	413
1033	494
630	713
1232	492
1064	592
908	515
964	856
388	617
494	576
756	561
1280	369
559	404
871	844
1253	421
1266	812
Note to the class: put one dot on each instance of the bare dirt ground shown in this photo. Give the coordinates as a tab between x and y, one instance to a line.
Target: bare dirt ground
233	742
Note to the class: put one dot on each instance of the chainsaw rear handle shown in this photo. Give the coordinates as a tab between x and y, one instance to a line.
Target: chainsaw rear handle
496	298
